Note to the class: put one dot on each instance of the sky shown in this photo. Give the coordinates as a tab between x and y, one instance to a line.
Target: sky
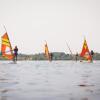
30	23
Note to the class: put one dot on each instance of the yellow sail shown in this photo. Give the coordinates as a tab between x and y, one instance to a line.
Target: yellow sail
85	52
6	49
47	54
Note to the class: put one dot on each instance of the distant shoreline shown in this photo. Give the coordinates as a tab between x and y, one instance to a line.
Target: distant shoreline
56	56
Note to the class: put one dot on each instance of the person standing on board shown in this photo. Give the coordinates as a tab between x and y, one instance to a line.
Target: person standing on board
50	56
15	53
76	57
92	53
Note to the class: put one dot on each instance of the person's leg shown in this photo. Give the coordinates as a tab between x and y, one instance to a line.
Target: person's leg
16	57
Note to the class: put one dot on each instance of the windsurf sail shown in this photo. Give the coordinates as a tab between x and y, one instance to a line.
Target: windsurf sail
85	52
6	48
47	54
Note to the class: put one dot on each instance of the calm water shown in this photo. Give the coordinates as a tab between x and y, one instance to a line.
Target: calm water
44	80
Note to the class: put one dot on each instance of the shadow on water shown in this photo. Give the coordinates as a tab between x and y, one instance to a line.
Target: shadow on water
85	85
3	94
85	98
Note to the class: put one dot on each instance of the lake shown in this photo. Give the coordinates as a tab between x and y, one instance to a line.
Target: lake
44	80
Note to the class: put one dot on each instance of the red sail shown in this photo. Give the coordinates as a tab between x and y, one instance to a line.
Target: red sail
85	51
6	48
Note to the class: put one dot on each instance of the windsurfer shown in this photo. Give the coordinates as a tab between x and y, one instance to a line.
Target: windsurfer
76	56
50	56
15	53
92	53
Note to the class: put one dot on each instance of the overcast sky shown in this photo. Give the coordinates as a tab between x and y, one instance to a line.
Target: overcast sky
30	22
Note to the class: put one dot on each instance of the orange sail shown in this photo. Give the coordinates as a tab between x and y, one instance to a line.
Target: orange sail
85	52
6	48
47	54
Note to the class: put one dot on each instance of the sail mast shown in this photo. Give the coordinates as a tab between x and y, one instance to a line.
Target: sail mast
70	50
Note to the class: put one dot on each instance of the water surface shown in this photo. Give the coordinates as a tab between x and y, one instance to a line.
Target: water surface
44	80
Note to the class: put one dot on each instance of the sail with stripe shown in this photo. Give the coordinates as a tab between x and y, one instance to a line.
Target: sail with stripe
47	54
85	53
6	48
